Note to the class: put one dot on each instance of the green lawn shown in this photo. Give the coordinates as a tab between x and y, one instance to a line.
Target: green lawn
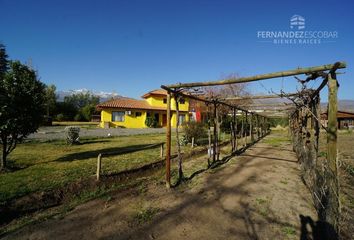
40	166
43	166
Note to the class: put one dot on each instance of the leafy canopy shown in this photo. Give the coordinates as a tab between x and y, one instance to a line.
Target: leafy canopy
23	102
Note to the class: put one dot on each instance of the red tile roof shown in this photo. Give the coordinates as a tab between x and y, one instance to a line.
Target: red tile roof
160	92
128	103
340	114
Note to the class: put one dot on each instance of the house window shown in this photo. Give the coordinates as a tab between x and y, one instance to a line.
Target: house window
118	116
182	101
137	114
164	100
182	119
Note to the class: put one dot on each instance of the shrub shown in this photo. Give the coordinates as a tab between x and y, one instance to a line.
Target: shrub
60	117
151	122
72	135
226	125
78	117
194	129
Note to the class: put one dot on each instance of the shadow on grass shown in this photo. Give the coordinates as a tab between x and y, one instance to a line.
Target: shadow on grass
93	141
106	152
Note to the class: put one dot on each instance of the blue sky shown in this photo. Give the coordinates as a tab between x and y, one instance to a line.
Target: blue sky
131	47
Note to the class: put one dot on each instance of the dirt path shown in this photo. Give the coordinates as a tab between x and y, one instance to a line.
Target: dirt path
257	195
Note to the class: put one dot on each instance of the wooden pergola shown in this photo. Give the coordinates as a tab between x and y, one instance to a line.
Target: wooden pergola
301	103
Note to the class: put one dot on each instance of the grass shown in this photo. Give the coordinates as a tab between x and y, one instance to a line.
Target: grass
289	231
262	206
276	141
350	170
49	165
285	182
261	201
145	215
61	211
42	166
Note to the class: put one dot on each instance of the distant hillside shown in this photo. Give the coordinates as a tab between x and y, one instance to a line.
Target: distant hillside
343	105
104	96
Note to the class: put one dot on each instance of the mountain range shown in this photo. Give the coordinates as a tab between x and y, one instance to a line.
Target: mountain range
104	96
343	105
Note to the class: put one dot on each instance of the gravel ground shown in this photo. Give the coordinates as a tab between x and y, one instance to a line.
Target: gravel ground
58	132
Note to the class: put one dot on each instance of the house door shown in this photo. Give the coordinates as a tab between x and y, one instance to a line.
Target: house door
164	120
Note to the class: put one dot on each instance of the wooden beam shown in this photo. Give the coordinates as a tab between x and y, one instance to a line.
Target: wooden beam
233	80
168	141
268	105
324	82
246	128
180	170
251	97
251	127
242	127
215	133
235	129
208	101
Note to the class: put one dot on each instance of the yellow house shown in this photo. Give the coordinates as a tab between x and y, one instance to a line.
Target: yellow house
133	113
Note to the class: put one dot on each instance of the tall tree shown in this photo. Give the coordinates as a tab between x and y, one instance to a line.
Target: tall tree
3	61
22	102
80	100
85	104
50	98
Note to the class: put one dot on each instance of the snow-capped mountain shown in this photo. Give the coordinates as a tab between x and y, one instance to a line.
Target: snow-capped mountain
104	96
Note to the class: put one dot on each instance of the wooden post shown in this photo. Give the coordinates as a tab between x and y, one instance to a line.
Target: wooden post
168	141
257	122
215	133
98	172
218	134
192	142
243	128
246	129
317	123
231	136
235	128
332	208
209	146
251	127
161	151
180	170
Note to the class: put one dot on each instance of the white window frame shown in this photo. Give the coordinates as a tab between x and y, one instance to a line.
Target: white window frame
118	116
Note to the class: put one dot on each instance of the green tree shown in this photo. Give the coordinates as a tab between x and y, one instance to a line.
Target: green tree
87	111
84	103
65	111
22	102
80	100
50	98
3	61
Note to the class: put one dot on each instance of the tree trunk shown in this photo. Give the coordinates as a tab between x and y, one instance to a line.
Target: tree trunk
3	157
